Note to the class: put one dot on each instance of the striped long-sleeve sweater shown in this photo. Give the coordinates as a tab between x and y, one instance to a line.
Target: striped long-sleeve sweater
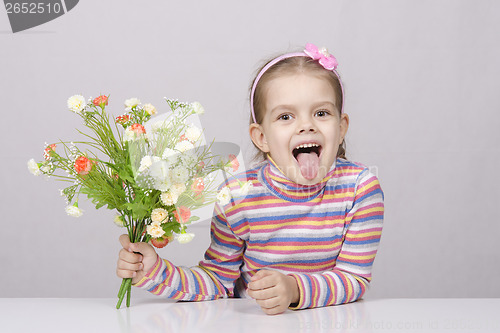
324	235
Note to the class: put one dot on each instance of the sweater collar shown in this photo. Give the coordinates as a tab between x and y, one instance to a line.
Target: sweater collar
281	186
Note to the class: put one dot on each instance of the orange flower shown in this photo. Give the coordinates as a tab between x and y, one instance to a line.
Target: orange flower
198	185
83	165
122	120
137	129
100	101
182	214
233	162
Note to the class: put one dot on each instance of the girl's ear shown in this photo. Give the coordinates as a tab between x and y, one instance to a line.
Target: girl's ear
258	137
344	125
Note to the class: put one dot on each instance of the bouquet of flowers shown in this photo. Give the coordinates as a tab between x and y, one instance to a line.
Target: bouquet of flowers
153	179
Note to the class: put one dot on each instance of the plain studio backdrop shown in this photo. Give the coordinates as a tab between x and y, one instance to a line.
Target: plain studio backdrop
422	87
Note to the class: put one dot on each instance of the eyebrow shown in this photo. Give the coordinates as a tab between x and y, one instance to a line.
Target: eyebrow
290	107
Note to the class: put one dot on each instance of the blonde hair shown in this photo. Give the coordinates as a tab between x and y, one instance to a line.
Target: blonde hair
292	65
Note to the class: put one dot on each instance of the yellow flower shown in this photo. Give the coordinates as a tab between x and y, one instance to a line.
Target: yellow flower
169	198
76	103
155	230
159	215
150	109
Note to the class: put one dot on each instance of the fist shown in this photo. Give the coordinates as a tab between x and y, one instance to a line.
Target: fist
273	291
135	259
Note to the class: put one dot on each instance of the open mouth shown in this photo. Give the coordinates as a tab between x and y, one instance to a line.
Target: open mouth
307	148
307	156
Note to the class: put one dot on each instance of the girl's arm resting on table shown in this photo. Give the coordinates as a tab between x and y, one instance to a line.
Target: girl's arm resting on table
213	278
350	278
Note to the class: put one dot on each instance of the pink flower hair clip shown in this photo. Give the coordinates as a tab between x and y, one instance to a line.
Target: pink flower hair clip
324	58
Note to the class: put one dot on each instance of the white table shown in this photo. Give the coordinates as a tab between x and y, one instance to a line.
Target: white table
237	315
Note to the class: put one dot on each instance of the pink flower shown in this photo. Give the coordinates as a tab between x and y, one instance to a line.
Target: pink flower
233	162
198	186
47	152
83	165
325	59
182	214
137	129
100	101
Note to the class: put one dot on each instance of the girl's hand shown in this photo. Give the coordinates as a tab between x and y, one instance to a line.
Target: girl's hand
273	291
135	259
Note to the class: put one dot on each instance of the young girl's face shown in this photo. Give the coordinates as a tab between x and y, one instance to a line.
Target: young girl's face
301	128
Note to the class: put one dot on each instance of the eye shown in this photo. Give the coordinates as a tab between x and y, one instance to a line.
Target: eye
322	113
284	116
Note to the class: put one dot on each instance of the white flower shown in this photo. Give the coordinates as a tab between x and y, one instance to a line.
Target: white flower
162	184
155	230
161	175
180	174
170	156
178	189
197	108
224	196
159	215
150	109
147	161
76	103
74	211
169	198
193	133
183	146
131	102
245	188
34	168
118	220
185	237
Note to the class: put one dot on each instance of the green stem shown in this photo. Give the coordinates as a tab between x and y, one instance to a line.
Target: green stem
125	289
129	293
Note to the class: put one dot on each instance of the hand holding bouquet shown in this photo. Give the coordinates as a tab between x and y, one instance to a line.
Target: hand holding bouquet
153	179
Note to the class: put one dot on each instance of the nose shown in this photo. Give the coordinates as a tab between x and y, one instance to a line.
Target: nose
306	125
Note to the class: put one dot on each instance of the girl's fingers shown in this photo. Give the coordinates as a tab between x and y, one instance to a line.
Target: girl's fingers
261	294
123	265
264	282
129	256
125	274
124	241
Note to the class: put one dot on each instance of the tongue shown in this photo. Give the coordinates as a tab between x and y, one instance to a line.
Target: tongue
309	165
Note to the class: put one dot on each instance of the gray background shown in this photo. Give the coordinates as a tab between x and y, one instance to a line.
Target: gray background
422	82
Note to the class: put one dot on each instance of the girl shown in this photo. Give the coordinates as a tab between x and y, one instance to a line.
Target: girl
306	232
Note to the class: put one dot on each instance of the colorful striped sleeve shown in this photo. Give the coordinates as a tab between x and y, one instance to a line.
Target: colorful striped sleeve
215	276
349	279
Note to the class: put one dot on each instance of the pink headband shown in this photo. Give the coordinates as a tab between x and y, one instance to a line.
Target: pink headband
324	58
